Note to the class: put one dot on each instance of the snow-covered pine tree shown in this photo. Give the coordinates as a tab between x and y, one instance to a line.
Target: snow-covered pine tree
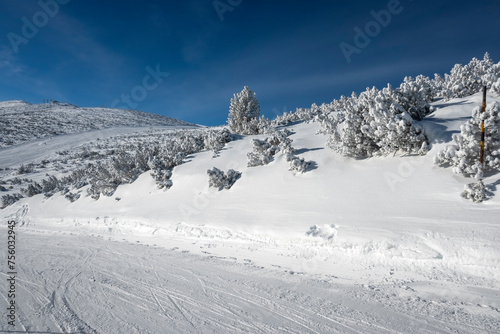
244	113
463	155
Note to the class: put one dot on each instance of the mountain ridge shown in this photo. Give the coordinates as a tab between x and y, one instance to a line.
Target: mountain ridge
22	122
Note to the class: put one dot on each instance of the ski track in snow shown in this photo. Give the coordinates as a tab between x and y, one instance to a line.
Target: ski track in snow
71	283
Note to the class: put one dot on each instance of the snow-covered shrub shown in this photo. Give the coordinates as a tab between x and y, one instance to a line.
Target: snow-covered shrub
101	182
29	168
216	140
328	232
125	167
262	153
32	189
72	196
463	155
264	150
414	96
265	126
244	113
299	165
220	180
10	199
161	172
281	141
77	178
475	191
51	186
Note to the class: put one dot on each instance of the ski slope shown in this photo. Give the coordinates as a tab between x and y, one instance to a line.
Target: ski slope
383	245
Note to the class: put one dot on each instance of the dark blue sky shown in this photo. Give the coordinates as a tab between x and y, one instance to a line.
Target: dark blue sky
96	53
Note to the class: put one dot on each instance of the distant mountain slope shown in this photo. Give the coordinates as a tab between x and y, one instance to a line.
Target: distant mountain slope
21	121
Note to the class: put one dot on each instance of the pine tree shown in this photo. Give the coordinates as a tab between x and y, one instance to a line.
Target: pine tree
464	154
244	113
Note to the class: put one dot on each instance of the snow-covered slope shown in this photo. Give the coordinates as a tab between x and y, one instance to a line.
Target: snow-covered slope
22	122
381	245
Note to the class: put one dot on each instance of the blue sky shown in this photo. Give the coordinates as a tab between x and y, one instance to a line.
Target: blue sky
186	59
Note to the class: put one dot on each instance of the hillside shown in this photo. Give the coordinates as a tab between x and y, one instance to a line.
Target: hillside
378	245
22	122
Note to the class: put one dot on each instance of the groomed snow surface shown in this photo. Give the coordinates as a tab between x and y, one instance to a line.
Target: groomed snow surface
383	245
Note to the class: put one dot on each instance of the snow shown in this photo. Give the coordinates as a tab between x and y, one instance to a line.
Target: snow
380	245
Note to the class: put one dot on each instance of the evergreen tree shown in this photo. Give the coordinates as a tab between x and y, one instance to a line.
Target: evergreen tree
244	113
464	154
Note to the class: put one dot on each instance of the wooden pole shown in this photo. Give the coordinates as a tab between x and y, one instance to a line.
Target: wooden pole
483	109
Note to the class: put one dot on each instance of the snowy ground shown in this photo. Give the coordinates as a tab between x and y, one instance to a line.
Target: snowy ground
384	245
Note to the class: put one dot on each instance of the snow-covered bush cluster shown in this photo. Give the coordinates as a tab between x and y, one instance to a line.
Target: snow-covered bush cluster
470	79
10	199
374	123
262	153
415	94
216	140
300	115
29	168
220	180
102	166
265	150
463	155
